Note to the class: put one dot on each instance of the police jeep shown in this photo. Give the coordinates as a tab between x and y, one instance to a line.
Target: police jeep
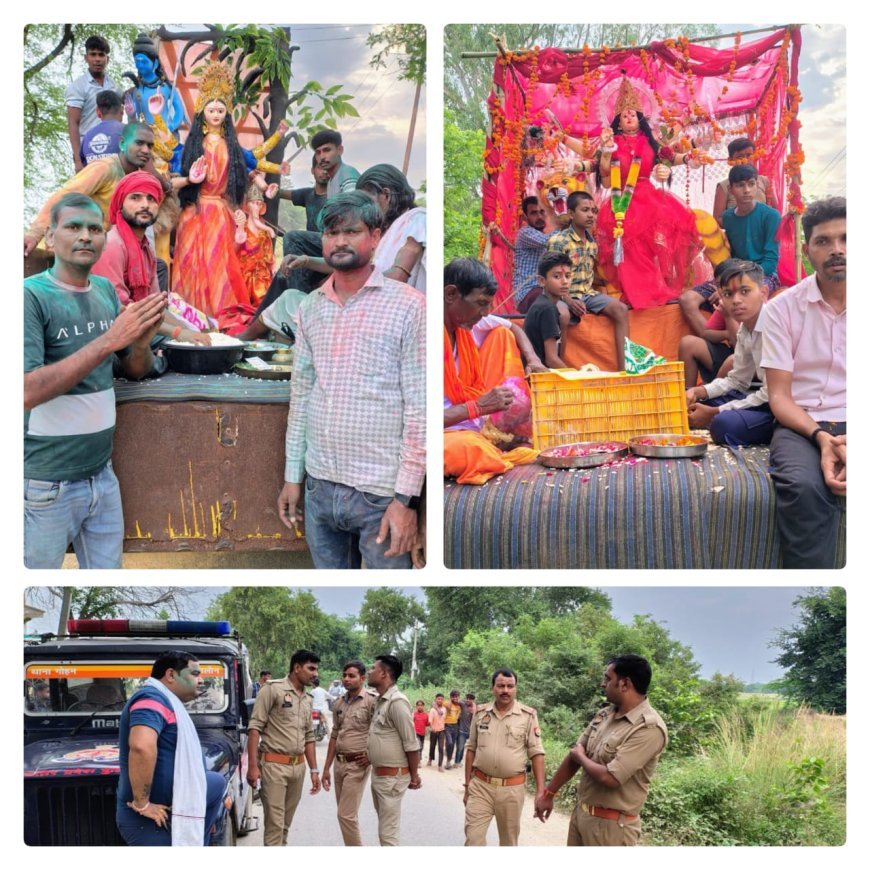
75	688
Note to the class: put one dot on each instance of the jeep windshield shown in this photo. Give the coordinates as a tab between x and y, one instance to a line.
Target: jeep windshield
88	687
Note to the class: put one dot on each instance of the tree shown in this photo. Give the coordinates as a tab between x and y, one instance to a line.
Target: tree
814	651
386	614
463	166
262	59
408	41
53	56
103	602
274	622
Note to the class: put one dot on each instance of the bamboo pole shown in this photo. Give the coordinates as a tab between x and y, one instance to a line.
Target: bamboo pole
489	54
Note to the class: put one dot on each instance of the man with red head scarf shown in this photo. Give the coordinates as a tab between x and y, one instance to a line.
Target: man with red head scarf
128	260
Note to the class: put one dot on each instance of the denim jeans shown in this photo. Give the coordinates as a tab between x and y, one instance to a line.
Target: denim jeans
85	513
451	737
341	525
136	830
461	740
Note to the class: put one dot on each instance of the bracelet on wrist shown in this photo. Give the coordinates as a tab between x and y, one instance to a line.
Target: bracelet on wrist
549	793
314	770
141	810
473	410
814	437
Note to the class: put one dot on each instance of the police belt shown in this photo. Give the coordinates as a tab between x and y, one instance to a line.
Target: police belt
391	771
350	756
497	780
277	758
606	813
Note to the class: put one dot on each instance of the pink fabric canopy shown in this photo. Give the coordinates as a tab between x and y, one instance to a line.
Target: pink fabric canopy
752	84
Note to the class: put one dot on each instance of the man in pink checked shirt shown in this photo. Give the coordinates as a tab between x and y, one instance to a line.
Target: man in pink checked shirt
356	431
804	357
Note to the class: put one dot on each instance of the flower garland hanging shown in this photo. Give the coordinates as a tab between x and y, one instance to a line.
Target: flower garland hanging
620	201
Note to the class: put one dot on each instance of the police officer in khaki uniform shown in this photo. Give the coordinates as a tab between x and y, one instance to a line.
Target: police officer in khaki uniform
503	735
618	752
393	750
280	741
351	716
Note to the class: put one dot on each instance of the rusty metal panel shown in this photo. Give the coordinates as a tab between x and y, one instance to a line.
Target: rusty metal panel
201	476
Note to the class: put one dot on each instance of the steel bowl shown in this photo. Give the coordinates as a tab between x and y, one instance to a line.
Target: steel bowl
262	349
599	453
273	373
697	445
198	360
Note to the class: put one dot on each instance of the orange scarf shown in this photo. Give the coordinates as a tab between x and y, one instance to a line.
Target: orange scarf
466	384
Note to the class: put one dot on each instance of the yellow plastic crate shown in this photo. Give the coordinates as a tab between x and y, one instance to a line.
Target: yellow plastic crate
570	406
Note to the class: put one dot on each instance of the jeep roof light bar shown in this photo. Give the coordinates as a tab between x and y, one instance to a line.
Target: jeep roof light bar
149	627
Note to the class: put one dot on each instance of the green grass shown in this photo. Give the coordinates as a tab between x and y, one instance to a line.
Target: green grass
768	776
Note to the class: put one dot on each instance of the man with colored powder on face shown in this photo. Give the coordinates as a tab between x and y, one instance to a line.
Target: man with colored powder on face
357	421
73	327
166	797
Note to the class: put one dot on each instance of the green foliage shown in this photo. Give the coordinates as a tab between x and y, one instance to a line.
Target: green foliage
766	777
463	166
274	622
264	60
94	602
814	651
386	614
409	41
53	57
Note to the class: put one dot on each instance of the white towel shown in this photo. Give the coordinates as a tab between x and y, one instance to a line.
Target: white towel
188	787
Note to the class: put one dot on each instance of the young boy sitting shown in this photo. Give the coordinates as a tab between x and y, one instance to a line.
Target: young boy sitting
576	241
751	228
709	351
543	322
737	413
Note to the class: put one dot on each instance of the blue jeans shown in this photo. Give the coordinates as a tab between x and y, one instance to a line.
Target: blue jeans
341	525
85	513
451	739
461	740
139	831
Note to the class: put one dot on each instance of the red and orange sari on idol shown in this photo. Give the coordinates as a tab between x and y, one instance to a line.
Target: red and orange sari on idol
470	456
205	268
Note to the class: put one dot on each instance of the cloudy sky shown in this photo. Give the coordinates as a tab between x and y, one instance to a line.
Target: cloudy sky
822	80
728	628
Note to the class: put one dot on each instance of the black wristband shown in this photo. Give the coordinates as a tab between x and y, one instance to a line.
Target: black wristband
815	436
409	501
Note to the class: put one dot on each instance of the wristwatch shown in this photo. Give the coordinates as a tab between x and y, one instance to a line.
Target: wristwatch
409	501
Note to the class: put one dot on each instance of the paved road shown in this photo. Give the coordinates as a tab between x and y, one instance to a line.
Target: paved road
432	816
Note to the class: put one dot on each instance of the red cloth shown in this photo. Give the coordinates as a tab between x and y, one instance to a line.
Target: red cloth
660	240
755	76
141	261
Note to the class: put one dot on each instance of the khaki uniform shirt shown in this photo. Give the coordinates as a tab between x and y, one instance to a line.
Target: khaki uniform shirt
501	744
351	718
392	735
629	745
283	718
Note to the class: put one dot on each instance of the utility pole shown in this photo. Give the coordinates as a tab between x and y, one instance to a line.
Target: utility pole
406	162
414	668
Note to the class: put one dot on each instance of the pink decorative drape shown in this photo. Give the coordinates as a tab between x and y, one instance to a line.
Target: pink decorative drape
754	84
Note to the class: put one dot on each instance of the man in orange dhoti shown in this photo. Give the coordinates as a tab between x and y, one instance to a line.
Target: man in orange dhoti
487	407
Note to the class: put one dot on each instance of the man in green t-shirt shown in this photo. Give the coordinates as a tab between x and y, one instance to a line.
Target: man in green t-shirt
73	326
